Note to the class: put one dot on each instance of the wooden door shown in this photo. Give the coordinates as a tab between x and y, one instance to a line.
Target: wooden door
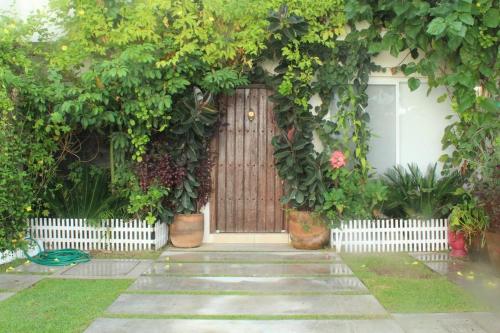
247	188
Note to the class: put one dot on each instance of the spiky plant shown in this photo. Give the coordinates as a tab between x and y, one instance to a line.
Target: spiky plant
89	197
413	194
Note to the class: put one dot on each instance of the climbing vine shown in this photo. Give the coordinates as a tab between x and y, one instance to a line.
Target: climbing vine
301	43
121	69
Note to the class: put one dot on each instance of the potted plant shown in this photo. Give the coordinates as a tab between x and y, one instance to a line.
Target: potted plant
192	126
178	163
468	223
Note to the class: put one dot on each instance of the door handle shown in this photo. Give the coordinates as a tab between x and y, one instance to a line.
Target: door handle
251	115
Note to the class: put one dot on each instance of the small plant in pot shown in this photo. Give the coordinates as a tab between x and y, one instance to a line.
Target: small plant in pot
468	223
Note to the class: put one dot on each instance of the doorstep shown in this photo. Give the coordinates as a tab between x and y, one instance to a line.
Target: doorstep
247	238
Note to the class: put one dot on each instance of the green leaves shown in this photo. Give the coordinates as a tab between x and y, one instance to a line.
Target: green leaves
413	83
492	18
437	26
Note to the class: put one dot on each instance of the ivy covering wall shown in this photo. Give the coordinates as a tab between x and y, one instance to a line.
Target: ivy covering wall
117	71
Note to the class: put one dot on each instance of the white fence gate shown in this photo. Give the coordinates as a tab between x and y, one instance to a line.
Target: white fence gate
114	234
391	236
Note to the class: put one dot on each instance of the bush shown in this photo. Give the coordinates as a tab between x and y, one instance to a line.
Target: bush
15	186
415	195
86	193
353	196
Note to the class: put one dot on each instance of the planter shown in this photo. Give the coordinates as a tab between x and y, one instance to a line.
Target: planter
493	244
476	248
456	239
187	230
306	232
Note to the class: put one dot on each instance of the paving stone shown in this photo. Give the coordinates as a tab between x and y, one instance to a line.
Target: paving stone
113	325
431	256
218	269
4	296
16	282
250	284
104	267
446	323
156	304
439	267
254	247
249	257
35	268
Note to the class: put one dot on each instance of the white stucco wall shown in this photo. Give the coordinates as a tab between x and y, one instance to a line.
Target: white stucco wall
22	8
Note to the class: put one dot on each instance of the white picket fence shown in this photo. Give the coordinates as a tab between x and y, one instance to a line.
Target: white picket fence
391	236
8	256
113	235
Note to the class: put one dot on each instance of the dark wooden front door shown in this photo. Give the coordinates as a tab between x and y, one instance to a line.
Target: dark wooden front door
247	188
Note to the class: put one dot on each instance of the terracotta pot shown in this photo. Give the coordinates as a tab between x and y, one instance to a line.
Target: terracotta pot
476	248
187	230
306	232
493	244
456	239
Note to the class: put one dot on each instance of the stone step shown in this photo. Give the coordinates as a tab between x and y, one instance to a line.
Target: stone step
177	256
238	305
115	325
219	269
16	282
5	295
253	247
108	268
248	284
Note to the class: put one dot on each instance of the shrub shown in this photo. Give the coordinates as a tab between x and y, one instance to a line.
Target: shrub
15	184
352	195
415	195
85	193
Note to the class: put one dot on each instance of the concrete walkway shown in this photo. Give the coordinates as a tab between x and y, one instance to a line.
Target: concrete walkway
269	288
251	288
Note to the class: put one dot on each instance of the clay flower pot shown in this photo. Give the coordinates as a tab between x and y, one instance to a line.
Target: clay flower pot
493	243
187	230
456	240
306	232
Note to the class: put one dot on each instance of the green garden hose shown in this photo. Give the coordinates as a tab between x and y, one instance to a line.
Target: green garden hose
63	257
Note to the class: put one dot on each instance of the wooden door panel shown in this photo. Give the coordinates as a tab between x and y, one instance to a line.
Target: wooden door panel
247	188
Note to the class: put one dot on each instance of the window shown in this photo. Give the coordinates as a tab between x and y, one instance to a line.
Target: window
406	126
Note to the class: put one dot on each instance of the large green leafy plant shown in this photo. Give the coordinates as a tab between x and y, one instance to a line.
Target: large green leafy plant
301	39
27	153
413	194
352	195
180	160
453	44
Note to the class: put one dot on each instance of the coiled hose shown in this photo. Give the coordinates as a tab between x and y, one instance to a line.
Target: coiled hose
63	257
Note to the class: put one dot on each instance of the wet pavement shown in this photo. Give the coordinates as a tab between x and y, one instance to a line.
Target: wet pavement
478	278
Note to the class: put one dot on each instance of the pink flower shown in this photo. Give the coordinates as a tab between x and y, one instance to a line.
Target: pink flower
338	159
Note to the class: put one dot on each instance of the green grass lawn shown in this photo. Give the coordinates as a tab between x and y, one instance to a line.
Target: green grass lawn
403	284
55	305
